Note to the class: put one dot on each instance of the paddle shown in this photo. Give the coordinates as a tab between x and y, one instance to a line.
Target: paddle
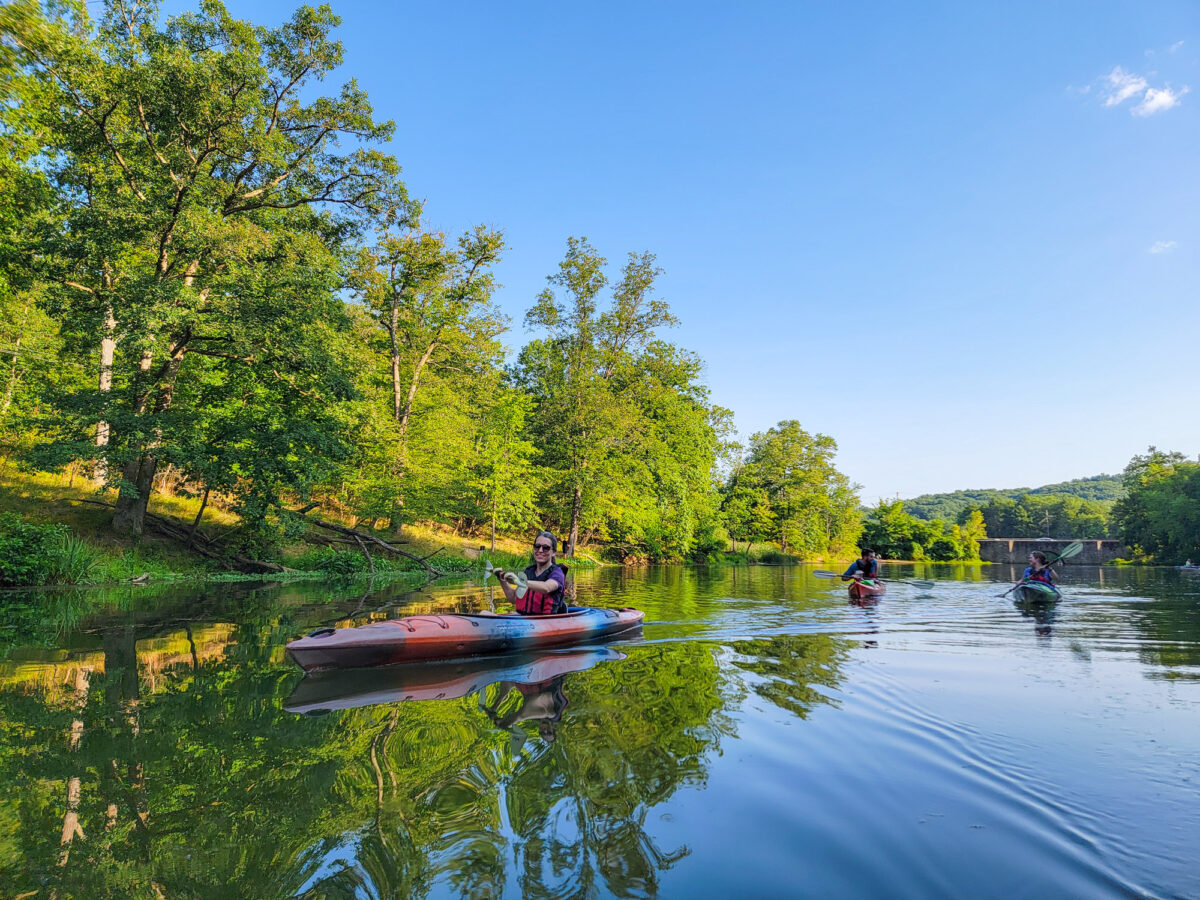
516	579
1072	549
821	573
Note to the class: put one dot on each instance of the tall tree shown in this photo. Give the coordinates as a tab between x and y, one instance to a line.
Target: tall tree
584	421
206	201
504	477
436	326
1159	517
815	507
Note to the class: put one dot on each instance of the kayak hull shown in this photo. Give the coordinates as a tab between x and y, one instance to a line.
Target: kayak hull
860	590
455	636
336	689
1035	592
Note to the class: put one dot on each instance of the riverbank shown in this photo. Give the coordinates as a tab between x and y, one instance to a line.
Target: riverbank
54	530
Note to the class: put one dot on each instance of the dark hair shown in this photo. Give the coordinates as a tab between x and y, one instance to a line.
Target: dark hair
1039	556
865	551
553	540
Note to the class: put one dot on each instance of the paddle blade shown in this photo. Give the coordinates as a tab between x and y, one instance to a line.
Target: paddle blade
1070	550
821	573
922	584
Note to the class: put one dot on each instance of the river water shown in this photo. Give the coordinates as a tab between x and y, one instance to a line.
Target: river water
761	737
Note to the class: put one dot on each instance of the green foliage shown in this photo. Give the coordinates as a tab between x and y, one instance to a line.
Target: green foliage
1159	517
209	255
789	491
627	436
1099	488
27	551
1043	515
894	534
33	554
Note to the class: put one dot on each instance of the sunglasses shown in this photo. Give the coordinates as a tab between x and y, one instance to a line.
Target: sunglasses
545	547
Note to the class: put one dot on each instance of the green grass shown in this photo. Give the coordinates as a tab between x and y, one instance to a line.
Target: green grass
91	554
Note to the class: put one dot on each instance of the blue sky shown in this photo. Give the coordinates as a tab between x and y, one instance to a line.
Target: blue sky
959	238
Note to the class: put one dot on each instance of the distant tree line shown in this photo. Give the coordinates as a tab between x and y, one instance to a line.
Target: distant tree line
213	281
948	507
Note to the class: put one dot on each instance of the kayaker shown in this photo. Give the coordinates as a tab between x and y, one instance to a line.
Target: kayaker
545	579
865	567
1038	569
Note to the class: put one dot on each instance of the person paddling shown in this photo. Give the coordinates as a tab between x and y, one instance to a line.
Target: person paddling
546	581
1038	570
866	567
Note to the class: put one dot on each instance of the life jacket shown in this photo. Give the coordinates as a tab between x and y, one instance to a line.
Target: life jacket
869	569
1043	576
535	603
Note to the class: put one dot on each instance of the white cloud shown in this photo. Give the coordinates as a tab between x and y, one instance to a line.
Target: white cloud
1118	86
1175	46
1158	100
1122	85
1163	246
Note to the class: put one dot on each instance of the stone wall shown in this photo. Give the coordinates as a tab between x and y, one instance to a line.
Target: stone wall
1017	550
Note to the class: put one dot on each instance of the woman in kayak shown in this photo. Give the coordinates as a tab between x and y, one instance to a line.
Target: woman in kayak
865	567
1038	569
545	579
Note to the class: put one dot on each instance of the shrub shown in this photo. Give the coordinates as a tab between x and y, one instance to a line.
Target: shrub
28	552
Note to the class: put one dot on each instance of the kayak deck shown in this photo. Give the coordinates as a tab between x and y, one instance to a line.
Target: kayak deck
860	590
1036	591
455	635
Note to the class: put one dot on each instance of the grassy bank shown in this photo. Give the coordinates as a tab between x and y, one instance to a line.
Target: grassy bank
50	534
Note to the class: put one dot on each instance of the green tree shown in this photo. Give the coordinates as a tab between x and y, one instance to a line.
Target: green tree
504	477
1159	517
434	323
814	506
889	530
206	202
589	425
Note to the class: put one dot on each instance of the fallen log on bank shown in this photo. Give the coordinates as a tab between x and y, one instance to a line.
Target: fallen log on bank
363	539
193	539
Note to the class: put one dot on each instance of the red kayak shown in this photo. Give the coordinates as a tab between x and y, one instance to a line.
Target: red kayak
455	635
861	590
323	692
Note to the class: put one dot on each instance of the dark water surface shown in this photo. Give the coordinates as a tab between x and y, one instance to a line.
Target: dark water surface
762	738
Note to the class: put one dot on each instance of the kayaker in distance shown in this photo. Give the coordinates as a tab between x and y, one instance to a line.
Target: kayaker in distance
545	579
866	566
1038	570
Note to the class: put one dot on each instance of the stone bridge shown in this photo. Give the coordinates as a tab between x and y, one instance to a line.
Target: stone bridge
1017	550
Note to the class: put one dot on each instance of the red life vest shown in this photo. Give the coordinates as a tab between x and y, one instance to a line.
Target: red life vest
535	603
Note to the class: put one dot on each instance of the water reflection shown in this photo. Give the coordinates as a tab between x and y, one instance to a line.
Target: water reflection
152	744
319	693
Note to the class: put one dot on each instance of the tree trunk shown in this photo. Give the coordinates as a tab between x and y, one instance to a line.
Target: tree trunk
11	390
394	332
418	370
138	475
108	348
576	508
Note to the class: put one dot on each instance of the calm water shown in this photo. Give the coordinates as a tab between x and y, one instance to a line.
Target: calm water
763	737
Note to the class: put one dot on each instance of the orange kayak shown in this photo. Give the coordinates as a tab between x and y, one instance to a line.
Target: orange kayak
455	635
860	590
